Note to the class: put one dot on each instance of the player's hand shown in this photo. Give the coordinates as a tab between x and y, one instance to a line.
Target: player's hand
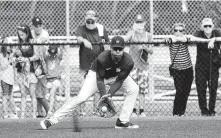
87	44
211	43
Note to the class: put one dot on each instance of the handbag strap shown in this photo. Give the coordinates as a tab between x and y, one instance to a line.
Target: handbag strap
175	55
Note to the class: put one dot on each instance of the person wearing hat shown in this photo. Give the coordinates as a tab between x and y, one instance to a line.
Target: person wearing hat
141	63
111	67
90	32
206	72
40	35
52	57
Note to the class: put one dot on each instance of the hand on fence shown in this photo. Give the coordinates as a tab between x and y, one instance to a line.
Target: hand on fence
179	39
211	43
87	44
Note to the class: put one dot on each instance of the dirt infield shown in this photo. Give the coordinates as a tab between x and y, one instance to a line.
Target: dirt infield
93	127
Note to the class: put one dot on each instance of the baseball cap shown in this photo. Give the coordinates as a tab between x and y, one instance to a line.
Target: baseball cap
53	46
207	21
117	41
36	21
139	18
90	15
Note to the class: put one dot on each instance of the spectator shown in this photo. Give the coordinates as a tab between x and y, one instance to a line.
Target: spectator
111	67
40	35
91	32
140	70
53	56
7	80
207	73
26	59
181	67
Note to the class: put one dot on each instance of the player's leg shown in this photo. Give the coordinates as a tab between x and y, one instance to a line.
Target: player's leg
55	86
23	90
39	104
88	89
32	90
5	98
132	90
81	79
143	85
12	106
134	76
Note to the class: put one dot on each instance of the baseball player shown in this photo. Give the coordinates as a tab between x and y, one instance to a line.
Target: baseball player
111	67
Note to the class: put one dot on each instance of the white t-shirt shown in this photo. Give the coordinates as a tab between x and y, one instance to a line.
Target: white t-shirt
43	36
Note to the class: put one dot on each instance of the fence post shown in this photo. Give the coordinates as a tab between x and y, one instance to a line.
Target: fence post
67	57
151	65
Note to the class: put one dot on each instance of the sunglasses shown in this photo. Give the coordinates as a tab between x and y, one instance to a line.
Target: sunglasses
205	26
21	28
139	22
117	49
90	21
176	30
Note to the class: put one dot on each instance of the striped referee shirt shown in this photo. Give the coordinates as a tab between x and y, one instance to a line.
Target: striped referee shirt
182	56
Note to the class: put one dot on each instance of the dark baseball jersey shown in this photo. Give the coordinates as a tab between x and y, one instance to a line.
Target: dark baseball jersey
105	68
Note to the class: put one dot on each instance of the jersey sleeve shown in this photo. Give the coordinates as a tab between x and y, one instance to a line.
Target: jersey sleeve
100	77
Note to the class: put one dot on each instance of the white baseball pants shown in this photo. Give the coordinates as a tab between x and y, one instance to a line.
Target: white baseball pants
89	88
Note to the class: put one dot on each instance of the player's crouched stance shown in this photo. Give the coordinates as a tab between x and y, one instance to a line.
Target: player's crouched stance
111	67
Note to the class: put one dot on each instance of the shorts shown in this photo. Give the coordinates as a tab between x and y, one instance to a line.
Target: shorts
41	87
6	88
25	79
141	78
53	82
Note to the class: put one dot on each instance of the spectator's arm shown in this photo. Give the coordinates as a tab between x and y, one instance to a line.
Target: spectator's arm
37	53
60	52
128	36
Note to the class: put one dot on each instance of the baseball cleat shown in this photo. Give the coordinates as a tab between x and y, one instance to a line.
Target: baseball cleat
120	125
45	124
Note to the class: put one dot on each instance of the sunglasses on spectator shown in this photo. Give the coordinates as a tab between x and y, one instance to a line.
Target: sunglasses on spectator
21	28
90	21
205	26
117	49
176	30
139	22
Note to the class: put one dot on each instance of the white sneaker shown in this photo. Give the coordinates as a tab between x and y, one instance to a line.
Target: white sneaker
142	115
13	116
6	116
133	115
82	114
45	124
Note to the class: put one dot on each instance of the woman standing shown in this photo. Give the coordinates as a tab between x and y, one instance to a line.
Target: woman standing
26	58
141	66
7	81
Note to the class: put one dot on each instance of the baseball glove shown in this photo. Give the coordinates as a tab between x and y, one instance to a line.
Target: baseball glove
106	103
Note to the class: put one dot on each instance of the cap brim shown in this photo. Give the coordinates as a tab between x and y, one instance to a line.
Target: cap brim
120	46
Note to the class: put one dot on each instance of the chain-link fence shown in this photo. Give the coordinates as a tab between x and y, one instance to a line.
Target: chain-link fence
61	18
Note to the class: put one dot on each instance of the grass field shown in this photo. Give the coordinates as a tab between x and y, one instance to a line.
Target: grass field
94	127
